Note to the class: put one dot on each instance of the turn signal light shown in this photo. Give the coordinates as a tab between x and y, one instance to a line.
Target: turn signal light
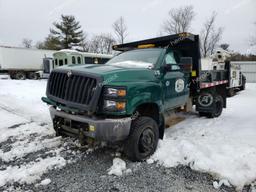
121	92
120	106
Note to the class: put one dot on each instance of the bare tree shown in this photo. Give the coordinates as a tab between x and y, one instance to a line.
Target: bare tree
120	29
40	45
179	20
102	43
210	36
109	41
27	43
85	44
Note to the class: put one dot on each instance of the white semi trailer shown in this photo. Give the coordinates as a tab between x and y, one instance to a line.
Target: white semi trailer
22	63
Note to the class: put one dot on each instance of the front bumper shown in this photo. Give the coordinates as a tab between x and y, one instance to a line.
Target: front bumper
98	128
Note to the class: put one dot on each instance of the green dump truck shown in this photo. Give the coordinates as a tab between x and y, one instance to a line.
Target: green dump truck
131	97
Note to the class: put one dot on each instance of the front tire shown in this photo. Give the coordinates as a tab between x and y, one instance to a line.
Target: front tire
143	139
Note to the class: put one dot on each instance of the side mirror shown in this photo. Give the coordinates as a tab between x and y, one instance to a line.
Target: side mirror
171	67
186	64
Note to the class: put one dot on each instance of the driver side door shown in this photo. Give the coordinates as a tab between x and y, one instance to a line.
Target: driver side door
173	83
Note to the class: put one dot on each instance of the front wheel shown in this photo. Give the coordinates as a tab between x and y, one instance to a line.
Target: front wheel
143	139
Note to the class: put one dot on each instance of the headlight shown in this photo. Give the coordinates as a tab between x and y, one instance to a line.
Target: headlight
110	105
115	92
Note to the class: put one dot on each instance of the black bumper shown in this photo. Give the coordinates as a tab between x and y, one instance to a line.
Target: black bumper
100	129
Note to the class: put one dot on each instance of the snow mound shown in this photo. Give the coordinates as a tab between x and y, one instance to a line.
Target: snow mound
23	98
118	167
224	146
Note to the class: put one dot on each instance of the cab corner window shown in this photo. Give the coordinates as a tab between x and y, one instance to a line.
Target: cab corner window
60	62
88	60
73	60
79	60
96	61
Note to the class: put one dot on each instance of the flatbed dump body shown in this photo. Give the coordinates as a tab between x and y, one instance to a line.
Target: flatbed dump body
188	44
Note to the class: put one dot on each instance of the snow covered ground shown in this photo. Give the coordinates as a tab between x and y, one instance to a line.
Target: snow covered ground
224	147
28	147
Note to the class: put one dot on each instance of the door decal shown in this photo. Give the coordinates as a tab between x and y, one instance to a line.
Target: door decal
179	85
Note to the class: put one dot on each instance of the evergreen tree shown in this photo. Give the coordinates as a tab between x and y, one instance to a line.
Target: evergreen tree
66	33
50	42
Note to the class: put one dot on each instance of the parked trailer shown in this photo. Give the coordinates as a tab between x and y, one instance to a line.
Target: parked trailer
68	56
22	63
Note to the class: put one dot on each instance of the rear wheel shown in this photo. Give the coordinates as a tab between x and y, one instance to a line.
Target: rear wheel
231	92
33	75
12	75
20	75
217	109
242	87
143	139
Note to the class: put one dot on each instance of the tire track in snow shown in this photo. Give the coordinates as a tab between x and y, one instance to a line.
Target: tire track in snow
24	148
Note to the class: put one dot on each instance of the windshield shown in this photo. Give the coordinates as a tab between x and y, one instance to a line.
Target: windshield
143	58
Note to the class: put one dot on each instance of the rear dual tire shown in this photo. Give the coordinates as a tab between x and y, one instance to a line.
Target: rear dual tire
21	75
219	103
33	76
242	87
231	92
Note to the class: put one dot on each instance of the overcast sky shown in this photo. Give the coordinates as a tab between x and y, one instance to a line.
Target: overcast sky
32	18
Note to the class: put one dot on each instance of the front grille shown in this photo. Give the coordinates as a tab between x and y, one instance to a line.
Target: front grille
76	88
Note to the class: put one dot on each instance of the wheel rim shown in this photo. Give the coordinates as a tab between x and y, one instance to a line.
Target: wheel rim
20	76
146	141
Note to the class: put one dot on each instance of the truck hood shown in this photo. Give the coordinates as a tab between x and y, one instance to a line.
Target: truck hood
114	73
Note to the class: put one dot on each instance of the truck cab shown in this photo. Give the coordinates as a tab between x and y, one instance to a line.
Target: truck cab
129	99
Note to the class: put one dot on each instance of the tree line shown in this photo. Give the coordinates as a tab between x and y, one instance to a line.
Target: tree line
68	33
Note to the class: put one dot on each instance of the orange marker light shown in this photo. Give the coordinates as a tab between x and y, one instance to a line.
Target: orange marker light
121	93
120	105
146	46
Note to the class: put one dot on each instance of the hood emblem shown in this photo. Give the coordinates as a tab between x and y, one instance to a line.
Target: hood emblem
69	73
